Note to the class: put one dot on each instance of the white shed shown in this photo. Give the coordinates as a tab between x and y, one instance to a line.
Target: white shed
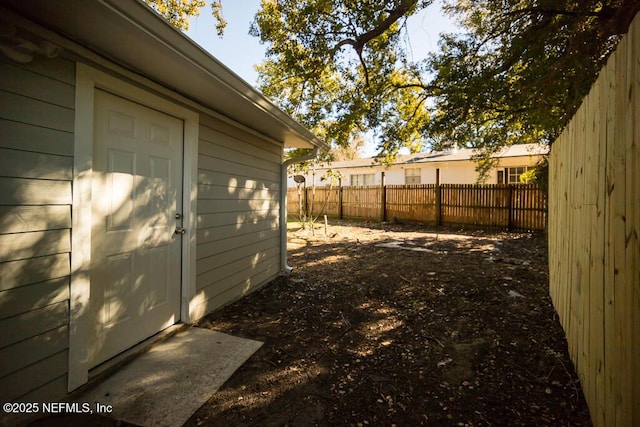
141	181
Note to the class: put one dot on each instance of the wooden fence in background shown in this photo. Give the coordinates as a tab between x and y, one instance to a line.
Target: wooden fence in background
514	207
594	252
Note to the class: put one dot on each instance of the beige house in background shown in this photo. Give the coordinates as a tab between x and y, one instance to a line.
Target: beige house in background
454	167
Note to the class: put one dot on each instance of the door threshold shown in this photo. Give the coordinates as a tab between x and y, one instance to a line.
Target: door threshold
109	367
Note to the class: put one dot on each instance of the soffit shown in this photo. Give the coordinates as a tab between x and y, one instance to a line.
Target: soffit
132	35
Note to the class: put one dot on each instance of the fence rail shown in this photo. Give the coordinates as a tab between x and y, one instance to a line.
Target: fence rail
515	207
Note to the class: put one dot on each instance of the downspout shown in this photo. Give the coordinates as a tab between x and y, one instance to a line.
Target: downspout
284	268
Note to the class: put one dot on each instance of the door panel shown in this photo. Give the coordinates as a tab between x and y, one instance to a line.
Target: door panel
135	254
118	271
121	174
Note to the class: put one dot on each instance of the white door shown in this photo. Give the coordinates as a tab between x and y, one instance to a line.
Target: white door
136	207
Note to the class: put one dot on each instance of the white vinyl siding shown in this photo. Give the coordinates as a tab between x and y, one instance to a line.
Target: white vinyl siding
238	235
36	169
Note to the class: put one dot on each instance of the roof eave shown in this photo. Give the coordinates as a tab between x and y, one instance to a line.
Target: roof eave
134	36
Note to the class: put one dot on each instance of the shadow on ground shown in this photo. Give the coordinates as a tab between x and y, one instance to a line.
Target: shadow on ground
385	325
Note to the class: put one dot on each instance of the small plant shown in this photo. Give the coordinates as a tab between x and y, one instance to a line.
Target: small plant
528	177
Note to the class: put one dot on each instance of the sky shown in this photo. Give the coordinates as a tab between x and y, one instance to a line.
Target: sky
240	52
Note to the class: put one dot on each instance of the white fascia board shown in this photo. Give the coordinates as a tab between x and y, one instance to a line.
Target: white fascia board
130	34
145	18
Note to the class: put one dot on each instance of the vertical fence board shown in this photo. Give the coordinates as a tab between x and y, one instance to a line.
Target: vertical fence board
633	218
609	331
590	159
598	243
623	290
577	196
584	278
571	237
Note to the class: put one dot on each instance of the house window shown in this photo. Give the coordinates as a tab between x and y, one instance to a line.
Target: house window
412	176
361	179
501	177
513	174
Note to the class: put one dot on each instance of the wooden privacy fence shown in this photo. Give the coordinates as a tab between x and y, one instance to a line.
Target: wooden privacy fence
515	207
594	252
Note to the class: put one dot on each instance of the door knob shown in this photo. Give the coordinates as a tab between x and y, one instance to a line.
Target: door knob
180	230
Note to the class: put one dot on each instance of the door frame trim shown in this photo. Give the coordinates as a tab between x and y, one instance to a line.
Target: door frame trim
88	79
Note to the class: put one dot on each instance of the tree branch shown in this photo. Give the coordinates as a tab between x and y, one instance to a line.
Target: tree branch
395	14
425	87
364	66
361	40
548	11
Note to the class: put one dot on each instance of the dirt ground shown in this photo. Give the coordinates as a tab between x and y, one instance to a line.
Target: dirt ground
383	324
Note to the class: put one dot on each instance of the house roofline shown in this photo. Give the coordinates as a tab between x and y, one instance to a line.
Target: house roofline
418	163
412	162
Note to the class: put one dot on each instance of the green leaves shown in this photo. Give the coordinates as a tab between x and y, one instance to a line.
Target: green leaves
523	67
178	12
515	75
338	67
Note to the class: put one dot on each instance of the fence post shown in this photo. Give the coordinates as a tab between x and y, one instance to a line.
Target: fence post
340	198
383	200
300	203
510	202
306	201
438	199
